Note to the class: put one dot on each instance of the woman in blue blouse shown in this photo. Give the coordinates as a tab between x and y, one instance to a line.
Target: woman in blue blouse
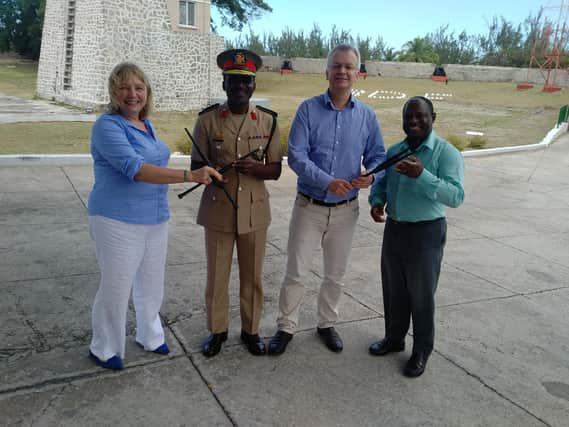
128	217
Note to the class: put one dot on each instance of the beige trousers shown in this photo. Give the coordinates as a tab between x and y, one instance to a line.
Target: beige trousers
250	256
312	226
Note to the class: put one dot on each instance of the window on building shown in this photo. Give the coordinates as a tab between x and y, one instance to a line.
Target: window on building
187	13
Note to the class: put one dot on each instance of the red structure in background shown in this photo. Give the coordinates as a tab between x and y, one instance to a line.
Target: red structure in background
439	75
439	78
286	68
363	71
547	52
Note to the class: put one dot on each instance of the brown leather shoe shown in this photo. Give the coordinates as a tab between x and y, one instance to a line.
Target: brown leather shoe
254	344
212	344
331	338
278	343
385	346
416	365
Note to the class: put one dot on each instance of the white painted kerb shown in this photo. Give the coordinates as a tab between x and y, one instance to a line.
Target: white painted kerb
181	160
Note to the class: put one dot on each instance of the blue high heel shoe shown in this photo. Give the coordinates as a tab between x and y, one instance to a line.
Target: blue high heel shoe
115	363
163	349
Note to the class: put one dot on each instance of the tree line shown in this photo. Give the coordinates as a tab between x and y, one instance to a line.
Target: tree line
21	23
505	44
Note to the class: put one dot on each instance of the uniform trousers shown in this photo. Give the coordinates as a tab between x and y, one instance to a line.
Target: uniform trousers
250	256
131	257
312	226
411	259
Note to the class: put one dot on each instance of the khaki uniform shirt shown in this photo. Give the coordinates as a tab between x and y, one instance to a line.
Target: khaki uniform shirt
219	136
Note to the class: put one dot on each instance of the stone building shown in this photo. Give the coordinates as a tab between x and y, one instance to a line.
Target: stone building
169	39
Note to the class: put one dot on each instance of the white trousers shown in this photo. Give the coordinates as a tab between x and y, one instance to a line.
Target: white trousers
131	257
310	226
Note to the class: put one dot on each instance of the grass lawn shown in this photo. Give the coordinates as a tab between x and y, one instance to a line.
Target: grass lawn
18	76
505	115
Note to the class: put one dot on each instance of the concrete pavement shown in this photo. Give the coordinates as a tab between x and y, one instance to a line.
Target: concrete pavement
17	110
501	352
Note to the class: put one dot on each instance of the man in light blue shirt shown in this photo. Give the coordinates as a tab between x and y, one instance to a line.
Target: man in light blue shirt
332	135
416	191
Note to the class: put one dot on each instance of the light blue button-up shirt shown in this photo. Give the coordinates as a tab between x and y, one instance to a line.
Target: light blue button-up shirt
119	149
423	198
326	143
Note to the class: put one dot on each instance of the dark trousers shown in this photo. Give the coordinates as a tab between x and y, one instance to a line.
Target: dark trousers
411	259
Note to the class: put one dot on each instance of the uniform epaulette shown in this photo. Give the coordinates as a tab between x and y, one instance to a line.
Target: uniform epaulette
266	110
205	110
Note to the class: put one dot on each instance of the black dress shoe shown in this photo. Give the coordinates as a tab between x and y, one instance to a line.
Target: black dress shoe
278	343
331	338
385	346
416	365
212	345
253	343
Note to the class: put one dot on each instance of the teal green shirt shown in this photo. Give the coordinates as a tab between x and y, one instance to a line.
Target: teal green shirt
425	197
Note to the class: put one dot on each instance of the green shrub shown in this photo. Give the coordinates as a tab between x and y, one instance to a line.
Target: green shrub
477	142
459	142
285	130
184	146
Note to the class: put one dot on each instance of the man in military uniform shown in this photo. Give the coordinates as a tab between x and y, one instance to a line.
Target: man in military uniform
226	133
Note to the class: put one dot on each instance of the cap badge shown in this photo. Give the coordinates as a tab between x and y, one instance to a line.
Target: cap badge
240	58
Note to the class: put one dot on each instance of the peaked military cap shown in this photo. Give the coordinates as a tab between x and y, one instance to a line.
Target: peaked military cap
239	62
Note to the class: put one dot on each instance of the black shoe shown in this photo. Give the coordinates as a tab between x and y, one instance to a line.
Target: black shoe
331	338
254	344
386	345
416	365
212	345
278	343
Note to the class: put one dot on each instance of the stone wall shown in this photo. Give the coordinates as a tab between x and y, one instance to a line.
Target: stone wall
180	65
413	70
50	68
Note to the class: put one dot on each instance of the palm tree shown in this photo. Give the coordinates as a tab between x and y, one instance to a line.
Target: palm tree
420	49
390	54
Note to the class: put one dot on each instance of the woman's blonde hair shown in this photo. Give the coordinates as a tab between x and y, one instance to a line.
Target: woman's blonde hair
121	73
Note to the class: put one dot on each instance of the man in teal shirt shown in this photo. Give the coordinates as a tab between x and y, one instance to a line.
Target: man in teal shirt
414	194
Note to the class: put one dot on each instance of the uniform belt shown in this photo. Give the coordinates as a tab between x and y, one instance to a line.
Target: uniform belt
326	204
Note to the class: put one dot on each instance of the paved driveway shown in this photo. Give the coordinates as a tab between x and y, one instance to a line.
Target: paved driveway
15	110
501	352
